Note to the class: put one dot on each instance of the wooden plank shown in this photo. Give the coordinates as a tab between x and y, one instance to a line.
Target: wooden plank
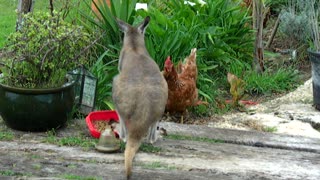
251	138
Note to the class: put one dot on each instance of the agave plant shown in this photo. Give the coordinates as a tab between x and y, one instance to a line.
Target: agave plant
106	65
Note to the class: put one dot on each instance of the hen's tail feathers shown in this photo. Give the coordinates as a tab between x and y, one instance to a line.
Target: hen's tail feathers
180	67
193	54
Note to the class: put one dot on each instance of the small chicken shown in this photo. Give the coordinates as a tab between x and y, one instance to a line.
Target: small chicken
190	70
237	87
182	90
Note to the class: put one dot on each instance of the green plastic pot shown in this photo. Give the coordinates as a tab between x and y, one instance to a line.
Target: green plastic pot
36	109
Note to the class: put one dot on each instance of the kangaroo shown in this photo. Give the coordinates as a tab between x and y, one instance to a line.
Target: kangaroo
139	92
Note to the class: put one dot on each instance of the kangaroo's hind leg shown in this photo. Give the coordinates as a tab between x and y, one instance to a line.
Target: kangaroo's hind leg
152	134
123	129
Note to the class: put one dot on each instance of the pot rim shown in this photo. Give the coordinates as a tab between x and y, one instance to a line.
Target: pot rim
313	52
65	86
314	56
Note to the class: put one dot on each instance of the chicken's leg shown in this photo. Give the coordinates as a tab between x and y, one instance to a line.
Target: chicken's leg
184	115
181	120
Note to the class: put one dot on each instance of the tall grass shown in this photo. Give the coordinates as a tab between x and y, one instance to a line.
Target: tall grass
283	80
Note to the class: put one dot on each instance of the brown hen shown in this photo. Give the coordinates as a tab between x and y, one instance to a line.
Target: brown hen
182	90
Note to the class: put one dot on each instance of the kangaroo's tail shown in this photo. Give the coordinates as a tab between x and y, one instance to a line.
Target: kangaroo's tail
132	147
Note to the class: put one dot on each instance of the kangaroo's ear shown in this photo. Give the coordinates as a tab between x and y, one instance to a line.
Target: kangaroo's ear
122	25
144	24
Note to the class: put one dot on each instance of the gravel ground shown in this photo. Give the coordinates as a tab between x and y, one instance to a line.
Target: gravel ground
292	114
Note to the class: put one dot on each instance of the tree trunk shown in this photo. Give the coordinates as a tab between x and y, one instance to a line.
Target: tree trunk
258	17
24	7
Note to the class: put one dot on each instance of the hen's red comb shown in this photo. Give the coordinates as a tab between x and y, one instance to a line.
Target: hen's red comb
168	61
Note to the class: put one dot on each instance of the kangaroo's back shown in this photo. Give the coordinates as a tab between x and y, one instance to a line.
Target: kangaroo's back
139	91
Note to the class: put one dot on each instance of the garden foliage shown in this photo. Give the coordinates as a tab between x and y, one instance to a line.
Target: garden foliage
297	20
42	52
106	66
221	30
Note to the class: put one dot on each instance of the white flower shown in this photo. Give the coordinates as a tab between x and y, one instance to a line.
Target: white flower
142	6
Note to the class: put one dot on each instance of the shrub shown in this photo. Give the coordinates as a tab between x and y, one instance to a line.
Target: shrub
218	29
227	34
44	50
276	5
296	19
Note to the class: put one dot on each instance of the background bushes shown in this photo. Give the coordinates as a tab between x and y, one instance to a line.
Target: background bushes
221	30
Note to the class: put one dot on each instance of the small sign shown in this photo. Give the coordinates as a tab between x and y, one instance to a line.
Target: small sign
89	92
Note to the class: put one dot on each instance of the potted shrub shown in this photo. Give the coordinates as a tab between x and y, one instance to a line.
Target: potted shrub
301	22
314	50
36	93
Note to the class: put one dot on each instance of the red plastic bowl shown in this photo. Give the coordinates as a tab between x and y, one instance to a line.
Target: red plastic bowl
100	116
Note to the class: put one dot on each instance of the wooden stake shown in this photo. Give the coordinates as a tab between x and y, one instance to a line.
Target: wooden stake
273	33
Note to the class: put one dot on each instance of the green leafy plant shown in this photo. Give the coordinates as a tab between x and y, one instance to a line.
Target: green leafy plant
104	19
105	73
7	173
191	138
6	136
109	46
271	82
82	141
226	35
293	23
149	148
77	177
299	21
219	29
158	165
276	5
271	129
40	54
170	34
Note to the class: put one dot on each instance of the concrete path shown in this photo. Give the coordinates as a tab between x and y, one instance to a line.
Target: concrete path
208	153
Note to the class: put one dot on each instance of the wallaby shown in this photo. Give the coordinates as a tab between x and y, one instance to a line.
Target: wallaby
139	91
